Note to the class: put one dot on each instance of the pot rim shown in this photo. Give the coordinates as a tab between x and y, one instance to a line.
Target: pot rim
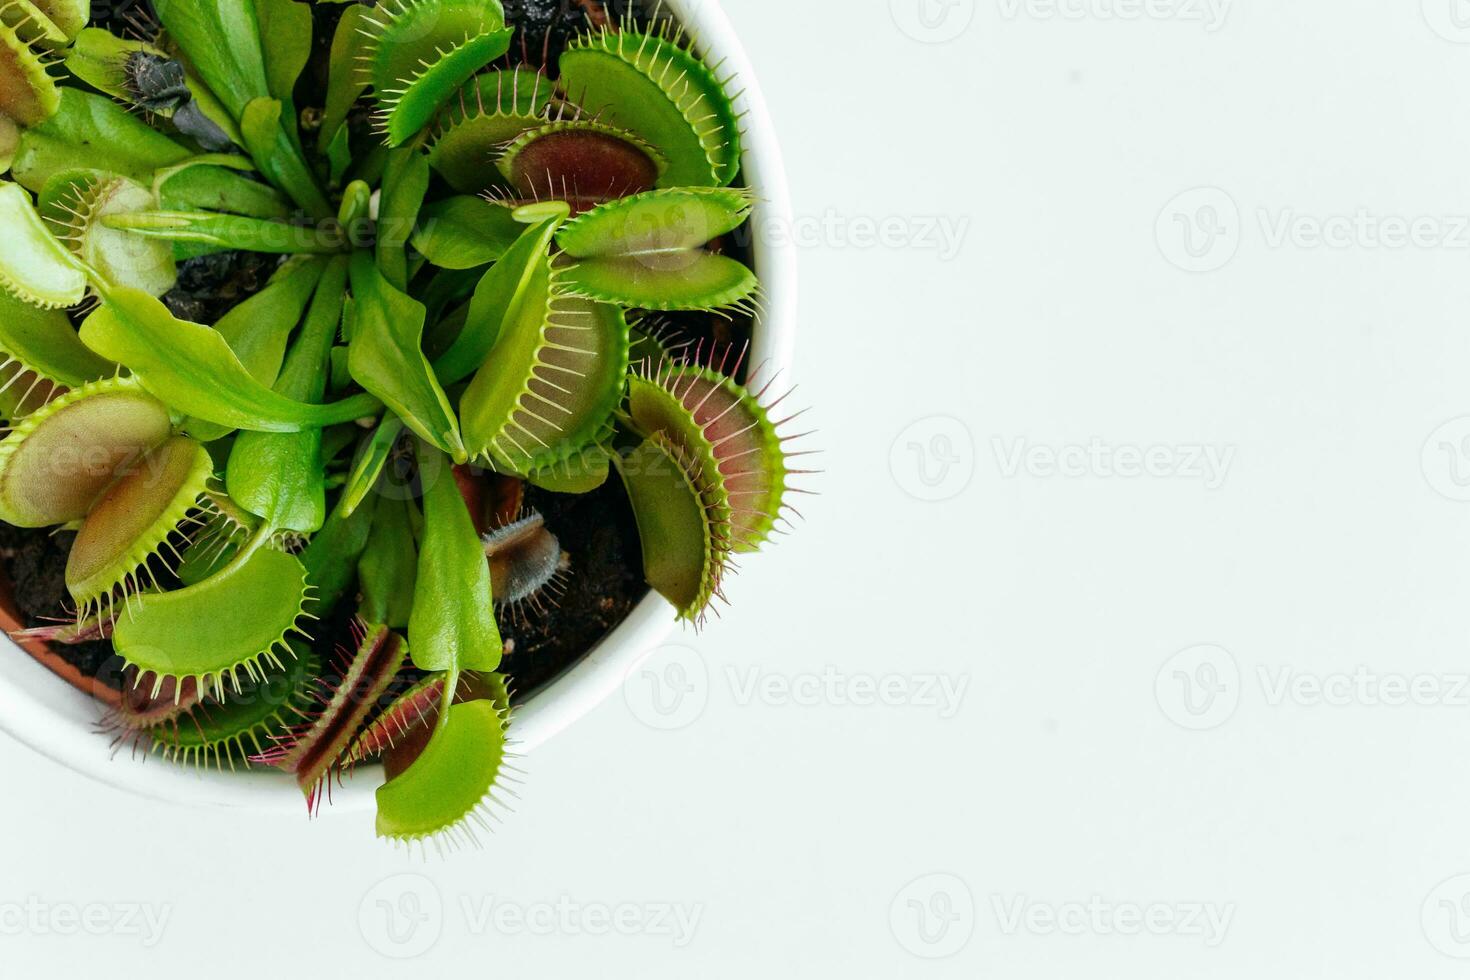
60	722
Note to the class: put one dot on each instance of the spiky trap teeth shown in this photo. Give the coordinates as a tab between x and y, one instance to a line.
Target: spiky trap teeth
527	565
548	386
35	267
488	113
654	251
683	515
136	519
399	735
28	92
149	702
751	451
654	85
419	53
230	628
223	730
40	358
582	162
715	459
77	205
313	751
455	785
60	459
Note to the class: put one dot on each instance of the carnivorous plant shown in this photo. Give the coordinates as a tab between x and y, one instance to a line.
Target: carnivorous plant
473	262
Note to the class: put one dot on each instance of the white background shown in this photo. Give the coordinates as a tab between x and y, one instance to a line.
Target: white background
828	838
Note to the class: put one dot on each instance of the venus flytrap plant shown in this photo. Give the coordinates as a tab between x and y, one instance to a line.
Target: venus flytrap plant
464	302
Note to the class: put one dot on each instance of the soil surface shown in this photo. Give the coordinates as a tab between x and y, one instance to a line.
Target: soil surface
35	563
212	285
599	534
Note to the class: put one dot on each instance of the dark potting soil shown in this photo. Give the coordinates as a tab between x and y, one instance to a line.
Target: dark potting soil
599	534
35	564
211	285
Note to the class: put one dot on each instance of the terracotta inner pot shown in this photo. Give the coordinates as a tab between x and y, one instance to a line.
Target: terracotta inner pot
12	622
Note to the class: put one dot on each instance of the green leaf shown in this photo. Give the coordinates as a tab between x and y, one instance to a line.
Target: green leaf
419	54
201	186
657	222
718	422
331	558
134	519
580	473
279	476
234	623
9	143
345	83
694	280
30	22
357	204
59	459
222	41
653	87
550	385
44	342
69	15
405	182
192	368
368	466
304	377
34	266
231	231
453	622
682	524
94	130
83	204
258	329
285	38
386	357
243	723
339	156
512	291
206	558
28	93
389	566
493	109
279	156
453	778
402	731
100	57
465	232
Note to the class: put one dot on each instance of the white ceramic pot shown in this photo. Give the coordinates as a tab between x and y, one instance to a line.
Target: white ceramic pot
58	721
